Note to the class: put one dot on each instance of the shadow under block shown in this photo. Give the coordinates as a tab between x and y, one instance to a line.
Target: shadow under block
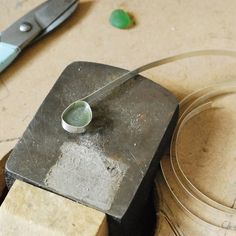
28	210
2	176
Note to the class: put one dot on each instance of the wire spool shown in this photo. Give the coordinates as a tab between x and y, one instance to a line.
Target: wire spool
197	182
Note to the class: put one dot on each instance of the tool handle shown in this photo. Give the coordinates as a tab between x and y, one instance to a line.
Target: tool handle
8	53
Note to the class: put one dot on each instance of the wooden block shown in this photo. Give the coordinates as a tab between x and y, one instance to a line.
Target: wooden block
28	210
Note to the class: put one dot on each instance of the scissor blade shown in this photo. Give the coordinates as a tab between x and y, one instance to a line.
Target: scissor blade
58	21
40	18
46	15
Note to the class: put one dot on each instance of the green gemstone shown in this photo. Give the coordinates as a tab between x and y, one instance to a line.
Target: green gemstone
120	19
78	115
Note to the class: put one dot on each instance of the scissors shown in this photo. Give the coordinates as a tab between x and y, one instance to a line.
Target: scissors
32	26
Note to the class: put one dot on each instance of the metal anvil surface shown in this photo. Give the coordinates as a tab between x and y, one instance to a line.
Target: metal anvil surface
112	165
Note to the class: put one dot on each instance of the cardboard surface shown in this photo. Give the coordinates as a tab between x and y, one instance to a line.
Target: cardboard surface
163	28
197	189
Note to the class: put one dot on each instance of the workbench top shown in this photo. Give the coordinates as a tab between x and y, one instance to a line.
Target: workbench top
163	28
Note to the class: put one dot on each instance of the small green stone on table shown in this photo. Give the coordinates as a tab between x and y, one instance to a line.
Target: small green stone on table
120	19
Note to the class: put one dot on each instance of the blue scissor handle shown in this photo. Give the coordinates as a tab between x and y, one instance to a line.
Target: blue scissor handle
8	53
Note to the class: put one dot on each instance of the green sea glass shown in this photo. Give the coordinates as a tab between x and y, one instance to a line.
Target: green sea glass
120	19
78	115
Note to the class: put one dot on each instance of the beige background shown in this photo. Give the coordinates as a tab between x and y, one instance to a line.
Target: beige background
163	28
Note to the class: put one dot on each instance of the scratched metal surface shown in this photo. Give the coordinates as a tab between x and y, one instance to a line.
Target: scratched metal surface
105	167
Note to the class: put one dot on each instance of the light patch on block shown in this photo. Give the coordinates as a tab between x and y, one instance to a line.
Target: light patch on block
84	171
